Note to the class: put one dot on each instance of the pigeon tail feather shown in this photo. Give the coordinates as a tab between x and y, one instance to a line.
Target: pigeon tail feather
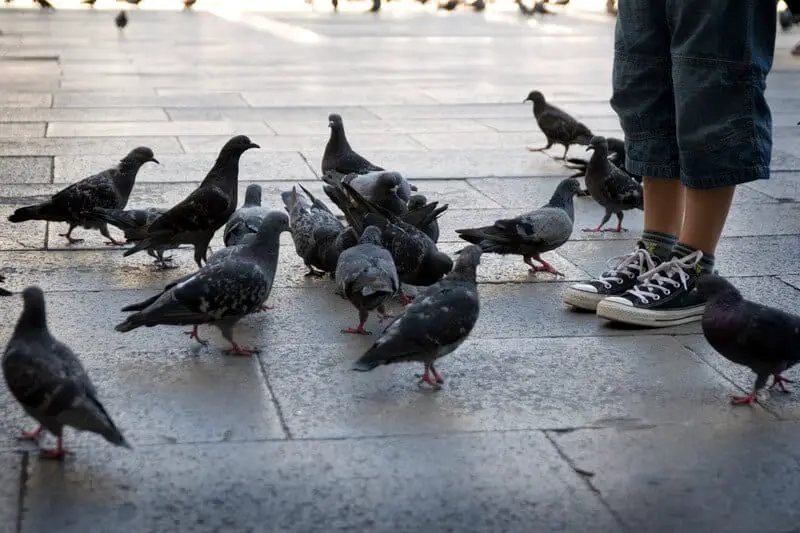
45	211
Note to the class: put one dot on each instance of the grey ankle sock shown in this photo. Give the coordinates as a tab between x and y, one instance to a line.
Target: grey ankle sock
706	263
659	244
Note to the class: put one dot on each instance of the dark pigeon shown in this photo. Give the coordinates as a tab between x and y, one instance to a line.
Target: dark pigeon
434	325
121	20
247	219
431	229
109	189
47	378
537	9
44	4
195	219
389	190
762	338
339	156
557	125
533	233
610	187
367	276
220	293
616	155
319	237
134	223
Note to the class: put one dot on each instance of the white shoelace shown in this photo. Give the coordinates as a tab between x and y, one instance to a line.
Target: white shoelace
659	279
640	260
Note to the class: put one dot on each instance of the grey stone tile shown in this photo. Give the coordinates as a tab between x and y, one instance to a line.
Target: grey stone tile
147	129
294	127
109	114
79	99
779	185
534	138
377	485
21	129
256	165
694	478
363	143
24	235
10	479
333	96
15	99
116	146
783	161
26	169
793	280
483	110
528	123
281	114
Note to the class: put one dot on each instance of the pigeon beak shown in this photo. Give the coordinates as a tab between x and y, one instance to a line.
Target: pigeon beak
526	100
154	160
330	124
253	145
589	148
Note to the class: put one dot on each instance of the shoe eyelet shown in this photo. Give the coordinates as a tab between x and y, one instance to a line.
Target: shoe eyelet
667	292
656	297
619	281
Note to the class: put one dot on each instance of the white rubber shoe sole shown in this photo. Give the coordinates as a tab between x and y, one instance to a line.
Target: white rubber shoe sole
583	299
621	310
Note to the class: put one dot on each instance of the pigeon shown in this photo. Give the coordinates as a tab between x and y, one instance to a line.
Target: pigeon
557	125
247	219
187	4
44	4
319	237
4	292
616	148
538	8
533	233
90	3
195	219
134	223
121	20
389	190
74	204
610	187
367	276
762	338
416	257
339	156
431	229
47	378
434	325
220	293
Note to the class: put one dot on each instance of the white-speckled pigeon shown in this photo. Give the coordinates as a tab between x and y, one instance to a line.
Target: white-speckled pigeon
558	126
247	219
390	190
220	293
134	223
47	378
434	325
74	204
533	233
762	338
206	209
319	237
610	187
367	276
339	156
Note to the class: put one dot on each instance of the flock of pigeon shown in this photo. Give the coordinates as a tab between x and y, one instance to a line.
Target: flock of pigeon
389	242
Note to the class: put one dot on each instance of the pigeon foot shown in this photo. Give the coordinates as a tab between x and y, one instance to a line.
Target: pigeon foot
314	273
58	454
194	335
750	399
385	316
405	299
545	268
598	229
32	435
241	350
778	381
358	330
114	242
536	149
165	265
431	377
619	229
267	308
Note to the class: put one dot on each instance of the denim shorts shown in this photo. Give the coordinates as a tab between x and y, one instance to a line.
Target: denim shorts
689	80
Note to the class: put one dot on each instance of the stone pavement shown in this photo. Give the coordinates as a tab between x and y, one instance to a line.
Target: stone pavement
549	420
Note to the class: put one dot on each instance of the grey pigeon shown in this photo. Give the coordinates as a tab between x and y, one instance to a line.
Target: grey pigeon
319	237
4	292
195	220
431	229
247	219
121	20
434	325
616	149
367	276
47	378
74	204
762	338
610	187
339	156
557	125
134	223
220	293
389	190
533	233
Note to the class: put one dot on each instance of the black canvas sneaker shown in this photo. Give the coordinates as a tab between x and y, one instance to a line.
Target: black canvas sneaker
623	273
664	296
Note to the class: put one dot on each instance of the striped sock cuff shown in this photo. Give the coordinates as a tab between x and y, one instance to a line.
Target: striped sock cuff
682	250
659	244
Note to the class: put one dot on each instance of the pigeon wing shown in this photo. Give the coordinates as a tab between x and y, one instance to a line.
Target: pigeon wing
198	212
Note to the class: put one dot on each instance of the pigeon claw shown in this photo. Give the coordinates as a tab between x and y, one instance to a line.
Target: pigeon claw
32	435
194	335
405	299
314	273
431	377
267	307
58	454
778	382
358	330
114	242
598	229
750	399
241	350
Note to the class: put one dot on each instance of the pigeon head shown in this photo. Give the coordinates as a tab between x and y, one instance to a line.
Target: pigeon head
275	222
371	235
536	97
568	188
598	143
416	201
335	121
238	145
33	315
467	264
252	195
141	155
713	286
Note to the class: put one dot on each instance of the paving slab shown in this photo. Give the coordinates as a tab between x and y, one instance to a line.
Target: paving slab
365	142
109	114
312	127
693	478
26	99
21	129
533	138
80	99
26	169
393	486
333	96
117	146
147	129
10	480
317	114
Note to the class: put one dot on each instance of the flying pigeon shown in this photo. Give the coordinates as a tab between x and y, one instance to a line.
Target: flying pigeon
557	125
47	378
610	187
134	223
434	325
74	204
195	219
762	338
319	237
220	293
339	156
367	276
247	219
389	190
121	20
533	233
